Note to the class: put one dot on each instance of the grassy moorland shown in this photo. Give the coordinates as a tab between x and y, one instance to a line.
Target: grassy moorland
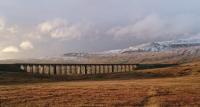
171	86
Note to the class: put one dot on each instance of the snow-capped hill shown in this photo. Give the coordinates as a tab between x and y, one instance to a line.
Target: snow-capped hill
116	51
175	51
155	46
159	46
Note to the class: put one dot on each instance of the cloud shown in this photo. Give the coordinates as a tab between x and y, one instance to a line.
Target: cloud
12	29
149	25
7	30
4	27
46	27
60	29
2	23
26	45
154	26
10	49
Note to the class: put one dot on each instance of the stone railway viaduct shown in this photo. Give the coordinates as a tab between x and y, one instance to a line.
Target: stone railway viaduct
75	69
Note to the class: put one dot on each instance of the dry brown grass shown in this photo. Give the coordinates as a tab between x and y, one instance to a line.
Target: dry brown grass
180	87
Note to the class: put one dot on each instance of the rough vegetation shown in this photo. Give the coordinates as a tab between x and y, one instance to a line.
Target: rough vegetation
166	87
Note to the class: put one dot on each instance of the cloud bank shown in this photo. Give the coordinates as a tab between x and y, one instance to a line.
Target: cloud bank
61	29
10	49
59	35
26	45
154	27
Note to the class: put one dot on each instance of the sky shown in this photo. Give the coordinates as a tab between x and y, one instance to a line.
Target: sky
40	28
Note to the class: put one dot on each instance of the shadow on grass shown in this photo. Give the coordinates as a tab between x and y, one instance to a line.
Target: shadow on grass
14	78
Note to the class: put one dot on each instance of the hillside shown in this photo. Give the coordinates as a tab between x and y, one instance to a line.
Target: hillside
176	51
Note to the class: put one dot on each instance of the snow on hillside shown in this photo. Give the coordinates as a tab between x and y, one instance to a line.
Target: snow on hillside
158	46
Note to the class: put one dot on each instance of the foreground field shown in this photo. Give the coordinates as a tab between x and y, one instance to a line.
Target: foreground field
173	86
